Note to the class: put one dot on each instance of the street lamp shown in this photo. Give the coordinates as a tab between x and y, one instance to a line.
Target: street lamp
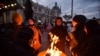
67	17
71	8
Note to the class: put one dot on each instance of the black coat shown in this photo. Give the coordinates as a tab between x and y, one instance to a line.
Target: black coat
21	48
61	32
91	46
11	30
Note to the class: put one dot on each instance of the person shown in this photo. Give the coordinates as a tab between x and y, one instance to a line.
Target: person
78	35
48	27
37	35
12	29
9	33
60	31
92	28
91	45
21	46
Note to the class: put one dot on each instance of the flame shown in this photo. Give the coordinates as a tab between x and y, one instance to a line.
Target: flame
53	50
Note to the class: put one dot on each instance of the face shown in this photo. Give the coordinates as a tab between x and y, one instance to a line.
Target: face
31	43
30	22
85	29
59	22
74	23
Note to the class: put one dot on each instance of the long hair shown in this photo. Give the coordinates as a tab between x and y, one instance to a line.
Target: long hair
80	19
92	27
79	32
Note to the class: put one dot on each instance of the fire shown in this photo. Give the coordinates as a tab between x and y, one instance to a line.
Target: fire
53	50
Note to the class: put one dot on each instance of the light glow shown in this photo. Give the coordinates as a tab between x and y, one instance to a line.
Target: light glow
5	6
8	5
15	4
53	50
12	5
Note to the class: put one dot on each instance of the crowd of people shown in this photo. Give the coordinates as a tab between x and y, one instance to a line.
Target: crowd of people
18	39
85	37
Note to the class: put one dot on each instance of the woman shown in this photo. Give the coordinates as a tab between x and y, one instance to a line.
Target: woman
91	45
78	35
36	41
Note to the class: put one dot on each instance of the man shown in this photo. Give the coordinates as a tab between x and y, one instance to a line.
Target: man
60	31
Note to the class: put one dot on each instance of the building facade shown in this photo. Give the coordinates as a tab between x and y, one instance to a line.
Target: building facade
40	13
8	8
44	14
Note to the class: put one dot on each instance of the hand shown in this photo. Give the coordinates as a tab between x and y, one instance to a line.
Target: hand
67	39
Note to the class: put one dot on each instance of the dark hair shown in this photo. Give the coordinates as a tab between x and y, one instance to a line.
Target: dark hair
32	19
80	19
25	34
92	27
58	18
79	33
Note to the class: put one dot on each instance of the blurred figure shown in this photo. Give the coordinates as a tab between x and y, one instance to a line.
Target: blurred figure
22	47
9	33
36	44
60	31
48	27
17	18
13	28
92	28
91	46
77	36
